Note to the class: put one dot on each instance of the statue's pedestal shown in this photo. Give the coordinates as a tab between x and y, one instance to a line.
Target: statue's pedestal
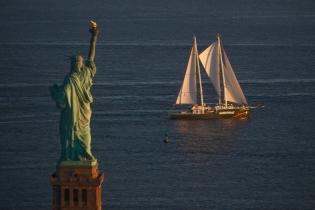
77	186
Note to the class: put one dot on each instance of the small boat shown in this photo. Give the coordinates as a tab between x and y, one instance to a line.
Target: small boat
218	68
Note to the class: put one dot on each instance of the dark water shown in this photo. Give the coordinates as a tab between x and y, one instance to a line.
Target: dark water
266	162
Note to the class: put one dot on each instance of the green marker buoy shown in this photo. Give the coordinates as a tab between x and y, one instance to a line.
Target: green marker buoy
166	140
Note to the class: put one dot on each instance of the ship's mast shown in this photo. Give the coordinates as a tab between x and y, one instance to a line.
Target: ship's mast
222	68
198	70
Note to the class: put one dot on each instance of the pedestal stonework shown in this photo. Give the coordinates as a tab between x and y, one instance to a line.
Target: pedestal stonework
76	185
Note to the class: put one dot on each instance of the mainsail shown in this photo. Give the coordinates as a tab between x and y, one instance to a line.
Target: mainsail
188	91
232	89
211	63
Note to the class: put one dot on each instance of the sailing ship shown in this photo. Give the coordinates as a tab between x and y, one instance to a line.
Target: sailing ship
231	100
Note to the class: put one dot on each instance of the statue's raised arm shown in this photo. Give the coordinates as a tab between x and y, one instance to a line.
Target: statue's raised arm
94	31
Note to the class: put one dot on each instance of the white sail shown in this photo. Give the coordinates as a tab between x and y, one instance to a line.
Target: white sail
188	91
211	63
232	89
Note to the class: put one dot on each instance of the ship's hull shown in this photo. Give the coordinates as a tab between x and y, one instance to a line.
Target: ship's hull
219	114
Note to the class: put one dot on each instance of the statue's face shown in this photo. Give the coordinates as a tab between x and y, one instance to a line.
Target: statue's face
77	63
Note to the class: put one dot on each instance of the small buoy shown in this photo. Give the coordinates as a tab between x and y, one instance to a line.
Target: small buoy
166	140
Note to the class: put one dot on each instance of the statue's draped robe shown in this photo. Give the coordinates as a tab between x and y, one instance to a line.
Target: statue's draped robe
74	98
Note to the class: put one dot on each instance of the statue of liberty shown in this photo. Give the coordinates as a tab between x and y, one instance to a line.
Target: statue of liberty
73	98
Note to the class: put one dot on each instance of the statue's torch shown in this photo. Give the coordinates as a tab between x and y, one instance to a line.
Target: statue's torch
93	25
